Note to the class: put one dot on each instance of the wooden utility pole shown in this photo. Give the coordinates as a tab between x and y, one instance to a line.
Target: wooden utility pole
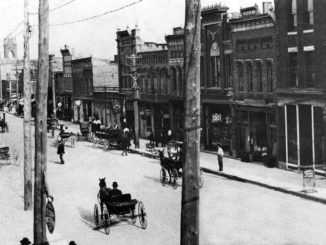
191	173
27	116
41	125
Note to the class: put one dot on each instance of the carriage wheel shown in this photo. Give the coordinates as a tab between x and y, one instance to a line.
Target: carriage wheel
106	224
142	215
133	216
174	177
201	179
163	176
96	220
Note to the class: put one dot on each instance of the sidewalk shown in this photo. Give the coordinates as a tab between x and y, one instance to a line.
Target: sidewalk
285	181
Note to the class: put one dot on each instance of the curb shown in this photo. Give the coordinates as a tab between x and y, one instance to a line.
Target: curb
144	153
244	180
275	188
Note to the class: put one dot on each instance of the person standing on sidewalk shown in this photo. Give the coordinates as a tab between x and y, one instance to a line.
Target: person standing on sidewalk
61	149
220	155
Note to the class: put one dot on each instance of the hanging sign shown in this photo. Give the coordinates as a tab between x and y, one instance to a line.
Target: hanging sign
50	215
216	117
116	106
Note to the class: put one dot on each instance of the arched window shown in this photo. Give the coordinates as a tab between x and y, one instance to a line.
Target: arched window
215	65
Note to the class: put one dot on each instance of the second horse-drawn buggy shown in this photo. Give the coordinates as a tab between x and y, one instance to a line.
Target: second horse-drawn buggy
108	138
172	165
117	206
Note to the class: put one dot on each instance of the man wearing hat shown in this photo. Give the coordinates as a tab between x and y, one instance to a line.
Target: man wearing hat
220	154
115	191
61	149
25	241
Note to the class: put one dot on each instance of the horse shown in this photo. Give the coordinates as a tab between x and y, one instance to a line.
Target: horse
4	126
166	162
103	194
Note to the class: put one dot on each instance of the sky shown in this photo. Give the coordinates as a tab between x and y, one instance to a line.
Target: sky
96	37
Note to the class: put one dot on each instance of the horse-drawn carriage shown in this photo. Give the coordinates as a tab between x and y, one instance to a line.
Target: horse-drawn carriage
117	206
7	158
173	164
108	138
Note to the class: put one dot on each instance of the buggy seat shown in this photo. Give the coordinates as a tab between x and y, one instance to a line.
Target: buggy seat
4	150
121	204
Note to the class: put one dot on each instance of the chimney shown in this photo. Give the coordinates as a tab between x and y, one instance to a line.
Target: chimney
266	7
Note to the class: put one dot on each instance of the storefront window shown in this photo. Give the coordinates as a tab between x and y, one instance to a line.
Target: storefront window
305	135
292	134
319	138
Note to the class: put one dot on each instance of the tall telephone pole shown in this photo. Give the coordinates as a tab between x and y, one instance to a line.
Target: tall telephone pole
41	125
27	116
191	173
134	76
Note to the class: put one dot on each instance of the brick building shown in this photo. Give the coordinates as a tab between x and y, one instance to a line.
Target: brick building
63	87
254	51
160	82
82	95
106	99
216	78
301	87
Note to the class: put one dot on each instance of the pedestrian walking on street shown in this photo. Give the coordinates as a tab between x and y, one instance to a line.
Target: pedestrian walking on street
220	155
125	143
61	149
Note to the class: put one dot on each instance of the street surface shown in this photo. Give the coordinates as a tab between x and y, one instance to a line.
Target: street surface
231	212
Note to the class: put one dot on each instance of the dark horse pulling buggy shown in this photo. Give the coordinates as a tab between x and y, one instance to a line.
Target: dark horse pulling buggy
120	206
173	164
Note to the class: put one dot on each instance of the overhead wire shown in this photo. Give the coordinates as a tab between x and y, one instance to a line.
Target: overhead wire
97	16
58	7
20	23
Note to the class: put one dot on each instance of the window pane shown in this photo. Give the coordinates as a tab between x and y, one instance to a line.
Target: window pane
309	72
249	76
240	76
292	134
259	78
293	70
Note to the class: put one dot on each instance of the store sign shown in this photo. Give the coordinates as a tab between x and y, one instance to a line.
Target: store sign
116	106
216	117
50	216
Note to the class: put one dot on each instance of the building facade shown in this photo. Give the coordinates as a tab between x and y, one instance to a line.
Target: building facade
254	51
63	87
82	96
106	99
160	68
216	79
301	87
